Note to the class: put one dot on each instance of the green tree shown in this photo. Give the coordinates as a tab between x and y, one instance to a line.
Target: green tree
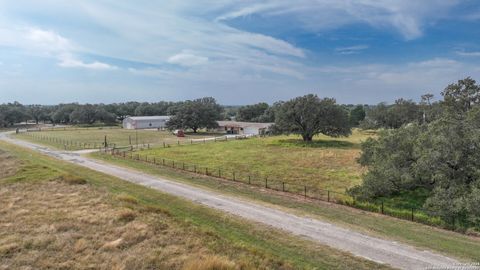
462	96
195	114
309	115
357	114
255	113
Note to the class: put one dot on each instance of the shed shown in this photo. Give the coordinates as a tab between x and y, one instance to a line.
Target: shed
243	128
145	122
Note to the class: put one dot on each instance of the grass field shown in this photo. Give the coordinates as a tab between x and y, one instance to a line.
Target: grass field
447	242
95	137
60	216
326	163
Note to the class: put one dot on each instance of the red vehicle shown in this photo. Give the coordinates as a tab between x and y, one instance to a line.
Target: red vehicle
179	133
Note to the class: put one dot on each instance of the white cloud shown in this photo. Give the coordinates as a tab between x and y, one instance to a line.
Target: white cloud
187	59
407	17
68	61
464	53
351	49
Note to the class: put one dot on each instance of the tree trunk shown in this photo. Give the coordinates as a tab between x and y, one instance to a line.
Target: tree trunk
194	130
307	137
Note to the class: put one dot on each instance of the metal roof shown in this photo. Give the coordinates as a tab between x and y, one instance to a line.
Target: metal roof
148	118
243	124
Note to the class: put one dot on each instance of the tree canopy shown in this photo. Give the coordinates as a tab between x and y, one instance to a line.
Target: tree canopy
310	115
441	156
195	114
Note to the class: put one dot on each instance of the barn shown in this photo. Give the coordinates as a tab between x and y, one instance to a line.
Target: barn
145	122
243	128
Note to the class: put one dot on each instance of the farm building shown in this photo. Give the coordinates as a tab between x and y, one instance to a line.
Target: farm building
145	122
243	128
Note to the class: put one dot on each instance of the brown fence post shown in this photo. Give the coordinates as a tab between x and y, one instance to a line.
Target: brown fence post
195	168
328	195
305	190
382	208
266	182
283	186
412	216
249	182
233	176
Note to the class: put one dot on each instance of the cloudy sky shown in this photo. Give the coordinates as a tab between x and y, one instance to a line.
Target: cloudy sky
357	51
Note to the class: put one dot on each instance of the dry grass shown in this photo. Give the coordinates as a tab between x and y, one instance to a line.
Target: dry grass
9	164
57	225
210	263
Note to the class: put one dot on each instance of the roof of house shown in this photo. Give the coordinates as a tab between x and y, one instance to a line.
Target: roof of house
148	118
243	124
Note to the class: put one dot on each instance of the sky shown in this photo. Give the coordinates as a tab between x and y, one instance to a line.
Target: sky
239	52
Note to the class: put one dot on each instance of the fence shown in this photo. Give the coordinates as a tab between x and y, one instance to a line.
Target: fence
131	142
286	187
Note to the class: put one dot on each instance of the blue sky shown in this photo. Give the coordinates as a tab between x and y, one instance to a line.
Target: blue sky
239	52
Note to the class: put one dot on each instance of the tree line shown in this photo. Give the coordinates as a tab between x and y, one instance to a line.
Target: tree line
435	148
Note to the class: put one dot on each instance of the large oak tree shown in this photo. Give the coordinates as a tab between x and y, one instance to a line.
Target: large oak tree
310	115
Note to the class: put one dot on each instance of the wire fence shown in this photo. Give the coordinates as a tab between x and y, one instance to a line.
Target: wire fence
287	187
129	142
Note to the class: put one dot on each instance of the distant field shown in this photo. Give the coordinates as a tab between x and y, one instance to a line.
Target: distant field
94	137
326	163
60	216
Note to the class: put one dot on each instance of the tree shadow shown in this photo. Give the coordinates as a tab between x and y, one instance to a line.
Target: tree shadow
317	143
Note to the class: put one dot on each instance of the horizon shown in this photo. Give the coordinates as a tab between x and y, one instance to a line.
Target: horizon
357	52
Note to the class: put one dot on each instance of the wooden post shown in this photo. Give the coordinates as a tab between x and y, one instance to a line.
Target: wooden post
163	161
219	174
233	176
382	207
328	195
249	180
194	168
129	139
266	182
173	163
412	217
305	191
283	186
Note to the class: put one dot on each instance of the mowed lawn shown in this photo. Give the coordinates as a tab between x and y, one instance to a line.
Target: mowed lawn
118	137
326	163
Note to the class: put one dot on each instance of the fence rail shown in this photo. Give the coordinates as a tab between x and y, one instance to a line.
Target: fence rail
285	187
106	143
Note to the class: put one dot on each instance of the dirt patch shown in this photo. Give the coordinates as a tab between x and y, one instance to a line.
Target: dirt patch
57	225
10	165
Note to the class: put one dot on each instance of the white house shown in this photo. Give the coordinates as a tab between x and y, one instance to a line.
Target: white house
145	122
243	128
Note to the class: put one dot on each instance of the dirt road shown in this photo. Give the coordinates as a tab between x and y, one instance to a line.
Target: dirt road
383	251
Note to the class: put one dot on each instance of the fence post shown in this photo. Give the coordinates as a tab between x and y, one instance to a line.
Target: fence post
163	161
283	186
219	174
328	195
233	176
173	163
178	142
382	207
412	217
194	168
163	144
266	182
154	161
191	141
305	191
249	182
183	166
206	171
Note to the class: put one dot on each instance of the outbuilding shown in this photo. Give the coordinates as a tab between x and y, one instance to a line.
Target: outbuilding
145	122
243	128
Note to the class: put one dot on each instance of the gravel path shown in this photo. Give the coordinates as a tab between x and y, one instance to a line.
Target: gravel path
379	250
